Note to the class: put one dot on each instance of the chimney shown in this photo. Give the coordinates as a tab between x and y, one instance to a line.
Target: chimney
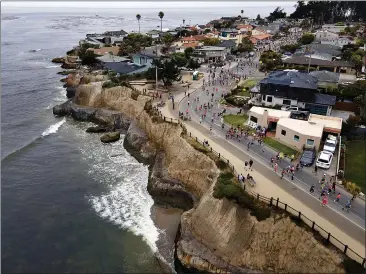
265	118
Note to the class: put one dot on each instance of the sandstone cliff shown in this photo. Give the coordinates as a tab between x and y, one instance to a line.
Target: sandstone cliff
230	239
217	235
183	162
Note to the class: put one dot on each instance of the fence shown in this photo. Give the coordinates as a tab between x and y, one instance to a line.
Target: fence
327	236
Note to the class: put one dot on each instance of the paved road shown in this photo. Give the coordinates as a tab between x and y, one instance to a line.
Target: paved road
303	179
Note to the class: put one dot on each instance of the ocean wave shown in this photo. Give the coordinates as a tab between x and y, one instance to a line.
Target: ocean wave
126	202
53	128
7	18
35	50
52	66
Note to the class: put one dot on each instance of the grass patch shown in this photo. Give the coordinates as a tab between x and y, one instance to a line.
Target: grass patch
355	163
280	147
249	83
235	119
245	93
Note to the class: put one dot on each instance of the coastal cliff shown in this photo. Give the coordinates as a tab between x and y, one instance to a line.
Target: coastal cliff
216	235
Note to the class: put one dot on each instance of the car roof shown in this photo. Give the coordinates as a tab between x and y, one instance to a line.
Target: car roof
325	155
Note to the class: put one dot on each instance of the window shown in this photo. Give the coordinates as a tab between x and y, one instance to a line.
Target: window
253	119
283	132
286	102
296	138
310	142
269	99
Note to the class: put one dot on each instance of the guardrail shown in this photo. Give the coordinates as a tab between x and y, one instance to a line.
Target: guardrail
329	238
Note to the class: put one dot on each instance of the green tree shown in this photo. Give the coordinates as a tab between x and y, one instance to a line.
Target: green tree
133	43
290	48
270	60
168	40
357	60
307	38
138	17
246	45
193	64
161	16
278	13
188	52
168	71
89	58
211	41
180	59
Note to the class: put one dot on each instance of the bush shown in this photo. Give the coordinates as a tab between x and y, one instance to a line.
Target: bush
221	164
352	188
351	266
228	188
110	84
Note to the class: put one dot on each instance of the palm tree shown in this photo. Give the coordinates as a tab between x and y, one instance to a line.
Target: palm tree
138	17
242	12
161	15
184	22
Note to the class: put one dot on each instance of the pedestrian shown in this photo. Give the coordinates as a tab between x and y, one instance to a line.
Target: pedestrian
347	206
337	198
210	128
329	188
322	194
283	172
246	165
250	164
312	189
188	103
292	176
334	186
324	200
248	145
200	120
315	169
275	167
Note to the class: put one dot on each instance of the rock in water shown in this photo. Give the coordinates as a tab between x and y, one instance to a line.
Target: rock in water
110	137
58	60
96	129
63	109
70	92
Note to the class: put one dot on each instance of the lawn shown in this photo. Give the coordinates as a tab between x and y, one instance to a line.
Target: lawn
247	85
235	119
280	147
355	163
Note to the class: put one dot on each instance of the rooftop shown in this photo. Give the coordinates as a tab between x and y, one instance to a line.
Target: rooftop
325	76
123	67
303	127
102	51
276	113
292	79
227	44
300	60
211	48
330	122
262	36
112	58
325	99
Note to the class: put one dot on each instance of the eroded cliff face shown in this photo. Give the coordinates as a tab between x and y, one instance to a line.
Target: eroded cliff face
218	235
183	162
232	240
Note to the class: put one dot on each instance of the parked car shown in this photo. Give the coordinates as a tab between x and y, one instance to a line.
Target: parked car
330	145
308	157
290	108
324	159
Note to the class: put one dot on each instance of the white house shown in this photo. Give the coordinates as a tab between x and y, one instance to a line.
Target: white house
340	42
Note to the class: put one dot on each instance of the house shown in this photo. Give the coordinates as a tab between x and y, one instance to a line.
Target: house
103	51
258	31
118	33
108	58
229	33
185	46
229	45
262	38
193	39
334	66
244	28
293	88
340	42
125	67
326	78
295	133
153	34
266	117
209	54
299	134
147	55
324	35
334	28
319	51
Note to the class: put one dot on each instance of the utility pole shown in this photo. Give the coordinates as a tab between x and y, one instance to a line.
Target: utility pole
156	67
309	48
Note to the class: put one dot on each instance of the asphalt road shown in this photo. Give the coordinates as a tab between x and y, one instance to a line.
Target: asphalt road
302	180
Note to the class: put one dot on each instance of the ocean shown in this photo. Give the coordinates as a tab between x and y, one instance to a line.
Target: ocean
68	205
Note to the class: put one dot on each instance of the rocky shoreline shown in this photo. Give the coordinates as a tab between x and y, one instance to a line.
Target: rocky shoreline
215	235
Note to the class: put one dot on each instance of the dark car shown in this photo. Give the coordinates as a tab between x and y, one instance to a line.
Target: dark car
308	157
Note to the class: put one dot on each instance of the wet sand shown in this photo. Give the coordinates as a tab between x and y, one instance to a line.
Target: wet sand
167	220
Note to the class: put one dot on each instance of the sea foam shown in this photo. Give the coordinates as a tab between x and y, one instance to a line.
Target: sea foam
53	128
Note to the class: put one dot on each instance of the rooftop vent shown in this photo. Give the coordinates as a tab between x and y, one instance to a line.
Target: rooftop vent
292	82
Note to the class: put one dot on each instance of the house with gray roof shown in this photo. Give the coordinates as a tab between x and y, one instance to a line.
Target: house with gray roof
229	45
209	54
326	78
293	88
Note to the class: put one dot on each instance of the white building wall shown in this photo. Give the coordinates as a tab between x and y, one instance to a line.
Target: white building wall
276	101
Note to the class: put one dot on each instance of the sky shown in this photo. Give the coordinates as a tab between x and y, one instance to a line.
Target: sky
142	4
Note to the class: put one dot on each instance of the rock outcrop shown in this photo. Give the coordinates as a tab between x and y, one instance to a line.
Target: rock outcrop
110	137
58	60
97	129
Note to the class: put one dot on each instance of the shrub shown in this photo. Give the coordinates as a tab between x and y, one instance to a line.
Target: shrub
352	188
351	266
110	84
221	164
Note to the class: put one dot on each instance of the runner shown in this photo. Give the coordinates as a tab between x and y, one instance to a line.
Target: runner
275	167
283	172
246	165
250	164
312	189
324	200
347	206
338	197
